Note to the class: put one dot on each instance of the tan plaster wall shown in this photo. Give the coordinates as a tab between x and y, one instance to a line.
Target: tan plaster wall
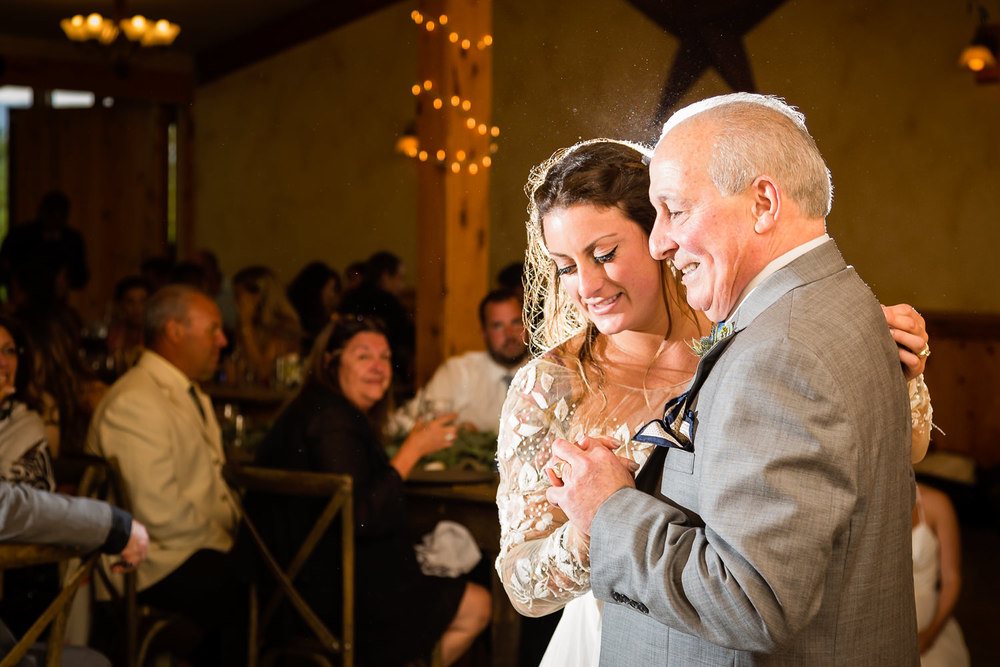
295	155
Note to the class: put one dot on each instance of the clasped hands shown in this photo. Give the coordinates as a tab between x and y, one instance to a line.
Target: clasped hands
585	474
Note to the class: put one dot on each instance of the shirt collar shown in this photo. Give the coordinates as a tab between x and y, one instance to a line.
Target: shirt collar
774	265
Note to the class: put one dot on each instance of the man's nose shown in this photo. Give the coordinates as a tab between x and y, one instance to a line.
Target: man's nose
661	244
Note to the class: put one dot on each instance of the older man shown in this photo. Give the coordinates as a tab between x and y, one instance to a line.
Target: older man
474	385
161	429
776	525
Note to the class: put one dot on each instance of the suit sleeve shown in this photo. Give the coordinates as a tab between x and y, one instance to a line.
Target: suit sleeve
778	461
33	516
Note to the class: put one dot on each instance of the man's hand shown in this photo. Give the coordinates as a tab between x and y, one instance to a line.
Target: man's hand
135	550
591	473
910	333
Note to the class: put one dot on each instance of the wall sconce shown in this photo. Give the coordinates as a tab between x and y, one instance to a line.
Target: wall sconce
981	55
407	143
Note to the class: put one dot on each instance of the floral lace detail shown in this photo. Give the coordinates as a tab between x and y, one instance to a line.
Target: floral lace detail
921	414
544	561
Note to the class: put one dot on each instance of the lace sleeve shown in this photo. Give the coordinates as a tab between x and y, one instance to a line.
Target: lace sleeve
921	414
544	561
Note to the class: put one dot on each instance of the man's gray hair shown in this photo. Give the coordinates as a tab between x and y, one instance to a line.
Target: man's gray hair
762	134
172	302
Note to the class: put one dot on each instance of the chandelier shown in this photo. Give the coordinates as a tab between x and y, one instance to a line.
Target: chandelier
138	30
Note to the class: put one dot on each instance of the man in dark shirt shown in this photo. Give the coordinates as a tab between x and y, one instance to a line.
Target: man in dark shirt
44	258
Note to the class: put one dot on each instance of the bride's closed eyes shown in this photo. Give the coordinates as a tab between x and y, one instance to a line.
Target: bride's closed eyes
599	259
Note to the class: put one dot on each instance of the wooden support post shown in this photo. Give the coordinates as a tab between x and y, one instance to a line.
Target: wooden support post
454	103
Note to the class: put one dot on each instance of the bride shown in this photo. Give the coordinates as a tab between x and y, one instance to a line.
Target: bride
615	333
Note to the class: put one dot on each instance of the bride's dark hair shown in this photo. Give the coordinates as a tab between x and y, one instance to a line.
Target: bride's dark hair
605	173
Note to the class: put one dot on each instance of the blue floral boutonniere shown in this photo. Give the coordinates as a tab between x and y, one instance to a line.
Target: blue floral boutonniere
701	346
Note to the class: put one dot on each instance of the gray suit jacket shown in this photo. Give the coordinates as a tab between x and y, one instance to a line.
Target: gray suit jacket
784	537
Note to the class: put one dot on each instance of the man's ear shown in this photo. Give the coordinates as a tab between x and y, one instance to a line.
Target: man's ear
766	203
173	331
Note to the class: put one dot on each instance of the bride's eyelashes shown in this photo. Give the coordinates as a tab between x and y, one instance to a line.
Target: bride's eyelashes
604	259
600	259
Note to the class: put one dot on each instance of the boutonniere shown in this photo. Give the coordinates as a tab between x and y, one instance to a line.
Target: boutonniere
701	346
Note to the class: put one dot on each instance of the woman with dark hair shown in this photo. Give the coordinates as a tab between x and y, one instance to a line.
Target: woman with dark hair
334	425
617	338
70	389
315	293
125	336
24	449
24	459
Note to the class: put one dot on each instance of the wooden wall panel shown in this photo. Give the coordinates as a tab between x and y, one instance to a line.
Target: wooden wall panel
962	374
111	163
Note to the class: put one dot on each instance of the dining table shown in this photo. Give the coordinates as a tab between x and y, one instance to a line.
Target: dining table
468	497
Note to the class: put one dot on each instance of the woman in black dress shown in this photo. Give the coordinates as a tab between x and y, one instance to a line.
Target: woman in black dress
334	425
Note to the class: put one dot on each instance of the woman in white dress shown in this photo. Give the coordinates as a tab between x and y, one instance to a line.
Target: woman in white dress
615	333
937	580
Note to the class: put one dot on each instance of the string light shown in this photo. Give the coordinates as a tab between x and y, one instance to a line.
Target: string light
461	158
454	37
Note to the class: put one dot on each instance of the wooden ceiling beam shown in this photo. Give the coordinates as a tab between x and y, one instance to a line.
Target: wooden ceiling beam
276	36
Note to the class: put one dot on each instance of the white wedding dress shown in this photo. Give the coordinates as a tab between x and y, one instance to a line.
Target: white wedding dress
949	648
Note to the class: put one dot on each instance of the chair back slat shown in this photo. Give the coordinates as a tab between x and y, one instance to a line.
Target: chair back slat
338	488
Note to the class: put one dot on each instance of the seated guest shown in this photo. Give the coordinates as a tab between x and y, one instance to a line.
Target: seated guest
162	430
70	388
474	384
315	294
24	449
334	425
268	326
24	458
125	343
32	516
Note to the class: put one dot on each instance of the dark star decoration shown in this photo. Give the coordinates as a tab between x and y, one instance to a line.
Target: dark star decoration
711	35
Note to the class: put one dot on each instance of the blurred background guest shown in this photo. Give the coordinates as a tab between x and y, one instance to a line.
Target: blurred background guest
354	275
25	459
70	389
125	338
937	579
334	425
268	327
24	450
46	247
474	384
511	277
218	286
379	296
156	271
315	294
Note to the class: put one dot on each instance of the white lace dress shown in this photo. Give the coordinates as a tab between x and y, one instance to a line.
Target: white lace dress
544	563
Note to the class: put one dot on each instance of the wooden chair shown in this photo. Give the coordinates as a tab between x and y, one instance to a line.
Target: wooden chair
87	476
338	489
141	624
24	555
